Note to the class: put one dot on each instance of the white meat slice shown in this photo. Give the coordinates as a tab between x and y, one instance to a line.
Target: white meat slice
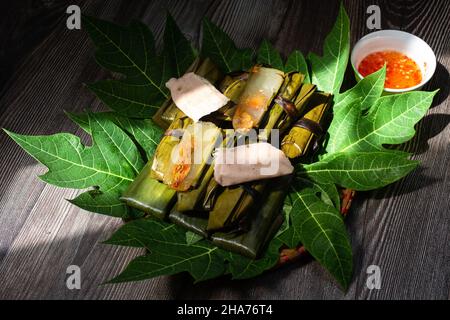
249	163
195	96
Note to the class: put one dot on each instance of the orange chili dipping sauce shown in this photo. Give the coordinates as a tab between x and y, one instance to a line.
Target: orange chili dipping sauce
401	71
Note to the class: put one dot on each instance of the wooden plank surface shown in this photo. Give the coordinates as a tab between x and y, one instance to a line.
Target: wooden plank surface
403	228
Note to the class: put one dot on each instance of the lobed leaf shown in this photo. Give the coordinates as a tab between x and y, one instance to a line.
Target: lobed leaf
361	170
296	62
366	93
218	46
110	164
268	55
129	51
143	131
130	100
328	191
106	203
192	237
390	121
327	72
241	267
369	89
168	252
320	228
177	49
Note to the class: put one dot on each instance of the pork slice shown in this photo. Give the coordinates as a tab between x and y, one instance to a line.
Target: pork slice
250	163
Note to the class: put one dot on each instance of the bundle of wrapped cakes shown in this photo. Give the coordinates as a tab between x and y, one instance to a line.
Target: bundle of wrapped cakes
223	166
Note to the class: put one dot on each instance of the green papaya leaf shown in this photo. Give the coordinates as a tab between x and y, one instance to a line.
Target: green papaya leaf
390	121
241	267
129	51
361	170
144	131
327	72
177	49
365	93
218	46
369	89
130	100
286	211
192	237
246	58
296	62
106	203
168	252
328	191
269	56
320	228
110	164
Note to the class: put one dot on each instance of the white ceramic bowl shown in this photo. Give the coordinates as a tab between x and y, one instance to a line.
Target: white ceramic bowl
404	42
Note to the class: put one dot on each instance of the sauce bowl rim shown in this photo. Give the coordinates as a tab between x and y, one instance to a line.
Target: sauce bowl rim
389	33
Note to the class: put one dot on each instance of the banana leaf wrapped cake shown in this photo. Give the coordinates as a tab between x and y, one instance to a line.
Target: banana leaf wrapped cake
223	167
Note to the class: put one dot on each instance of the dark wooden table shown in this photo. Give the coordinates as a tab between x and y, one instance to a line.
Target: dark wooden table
403	228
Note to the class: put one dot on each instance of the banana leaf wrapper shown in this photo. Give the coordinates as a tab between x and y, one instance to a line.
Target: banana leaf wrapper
264	223
202	197
195	220
165	114
262	86
191	200
288	91
252	242
308	129
213	190
233	204
162	159
233	85
149	195
209	71
189	157
171	138
274	228
190	222
223	116
195	199
294	110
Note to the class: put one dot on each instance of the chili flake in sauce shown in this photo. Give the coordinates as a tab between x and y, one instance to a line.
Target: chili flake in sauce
401	71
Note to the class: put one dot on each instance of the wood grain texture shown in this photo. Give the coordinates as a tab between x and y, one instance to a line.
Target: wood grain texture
403	228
